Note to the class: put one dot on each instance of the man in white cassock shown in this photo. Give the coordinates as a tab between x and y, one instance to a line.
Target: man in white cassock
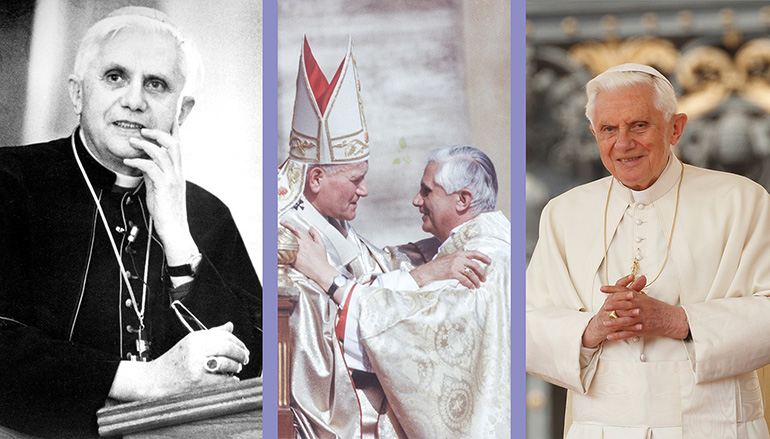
438	336
647	291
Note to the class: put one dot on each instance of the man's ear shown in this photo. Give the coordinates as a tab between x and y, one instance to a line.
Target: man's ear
314	178
464	199
188	103
75	88
679	121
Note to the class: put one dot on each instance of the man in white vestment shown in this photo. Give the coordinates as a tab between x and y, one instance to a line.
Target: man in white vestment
647	291
319	186
440	348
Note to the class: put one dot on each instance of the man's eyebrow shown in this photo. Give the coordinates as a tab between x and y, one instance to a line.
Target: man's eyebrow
114	66
165	77
155	76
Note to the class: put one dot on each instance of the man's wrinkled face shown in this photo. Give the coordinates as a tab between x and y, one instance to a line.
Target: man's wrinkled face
340	191
134	82
633	136
436	206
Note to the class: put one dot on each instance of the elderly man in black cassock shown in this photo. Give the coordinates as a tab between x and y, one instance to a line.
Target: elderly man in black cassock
118	278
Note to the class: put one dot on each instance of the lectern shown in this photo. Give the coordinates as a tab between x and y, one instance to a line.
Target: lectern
229	411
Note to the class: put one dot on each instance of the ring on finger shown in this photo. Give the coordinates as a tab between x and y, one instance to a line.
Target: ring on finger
467	271
211	364
613	315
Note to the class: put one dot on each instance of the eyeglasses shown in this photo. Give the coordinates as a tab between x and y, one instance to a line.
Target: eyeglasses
185	314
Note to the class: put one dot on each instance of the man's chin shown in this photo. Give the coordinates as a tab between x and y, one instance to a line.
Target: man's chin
119	151
127	151
349	216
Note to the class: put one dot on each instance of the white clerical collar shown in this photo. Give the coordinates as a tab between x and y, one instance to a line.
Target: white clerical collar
127	181
122	180
667	180
345	250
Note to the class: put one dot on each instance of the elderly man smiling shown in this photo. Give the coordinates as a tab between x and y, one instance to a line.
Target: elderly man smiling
647	291
110	259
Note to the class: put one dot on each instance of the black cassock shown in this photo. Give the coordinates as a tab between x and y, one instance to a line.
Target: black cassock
66	317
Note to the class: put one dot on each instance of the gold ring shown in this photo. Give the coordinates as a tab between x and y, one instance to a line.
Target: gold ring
467	271
613	315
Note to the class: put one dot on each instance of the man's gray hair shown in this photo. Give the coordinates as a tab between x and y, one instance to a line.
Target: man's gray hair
665	98
147	20
465	167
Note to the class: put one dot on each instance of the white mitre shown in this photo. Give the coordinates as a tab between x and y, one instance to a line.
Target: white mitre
328	126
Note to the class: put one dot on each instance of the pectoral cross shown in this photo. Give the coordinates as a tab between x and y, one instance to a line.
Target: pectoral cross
142	346
635	269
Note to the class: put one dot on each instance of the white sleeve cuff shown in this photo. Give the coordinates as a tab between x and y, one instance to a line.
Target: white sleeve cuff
586	354
397	280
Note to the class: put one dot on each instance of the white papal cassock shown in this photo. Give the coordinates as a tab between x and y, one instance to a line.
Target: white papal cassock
718	269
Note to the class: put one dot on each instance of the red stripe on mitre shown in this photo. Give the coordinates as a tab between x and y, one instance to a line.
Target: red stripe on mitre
322	89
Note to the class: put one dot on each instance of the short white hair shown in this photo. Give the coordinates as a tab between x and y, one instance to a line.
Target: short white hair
664	96
147	20
465	167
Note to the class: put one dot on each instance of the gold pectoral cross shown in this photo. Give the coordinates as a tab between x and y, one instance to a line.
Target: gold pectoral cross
635	269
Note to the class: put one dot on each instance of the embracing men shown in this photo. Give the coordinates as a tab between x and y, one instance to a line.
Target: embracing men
112	266
425	347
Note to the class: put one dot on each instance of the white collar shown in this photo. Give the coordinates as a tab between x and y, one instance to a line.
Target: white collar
341	250
667	180
122	180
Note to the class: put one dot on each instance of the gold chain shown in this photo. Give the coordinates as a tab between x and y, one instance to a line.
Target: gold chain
635	263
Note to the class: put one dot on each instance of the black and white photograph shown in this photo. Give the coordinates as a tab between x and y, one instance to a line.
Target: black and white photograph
130	238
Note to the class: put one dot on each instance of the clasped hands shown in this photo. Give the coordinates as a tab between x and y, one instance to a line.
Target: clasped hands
635	315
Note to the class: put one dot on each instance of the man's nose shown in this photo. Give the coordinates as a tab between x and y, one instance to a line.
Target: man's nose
417	200
362	190
623	139
133	97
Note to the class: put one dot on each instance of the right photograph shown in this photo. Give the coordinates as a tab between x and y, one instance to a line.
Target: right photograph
394	243
648	220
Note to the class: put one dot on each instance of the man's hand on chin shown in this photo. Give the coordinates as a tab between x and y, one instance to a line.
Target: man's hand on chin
166	191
